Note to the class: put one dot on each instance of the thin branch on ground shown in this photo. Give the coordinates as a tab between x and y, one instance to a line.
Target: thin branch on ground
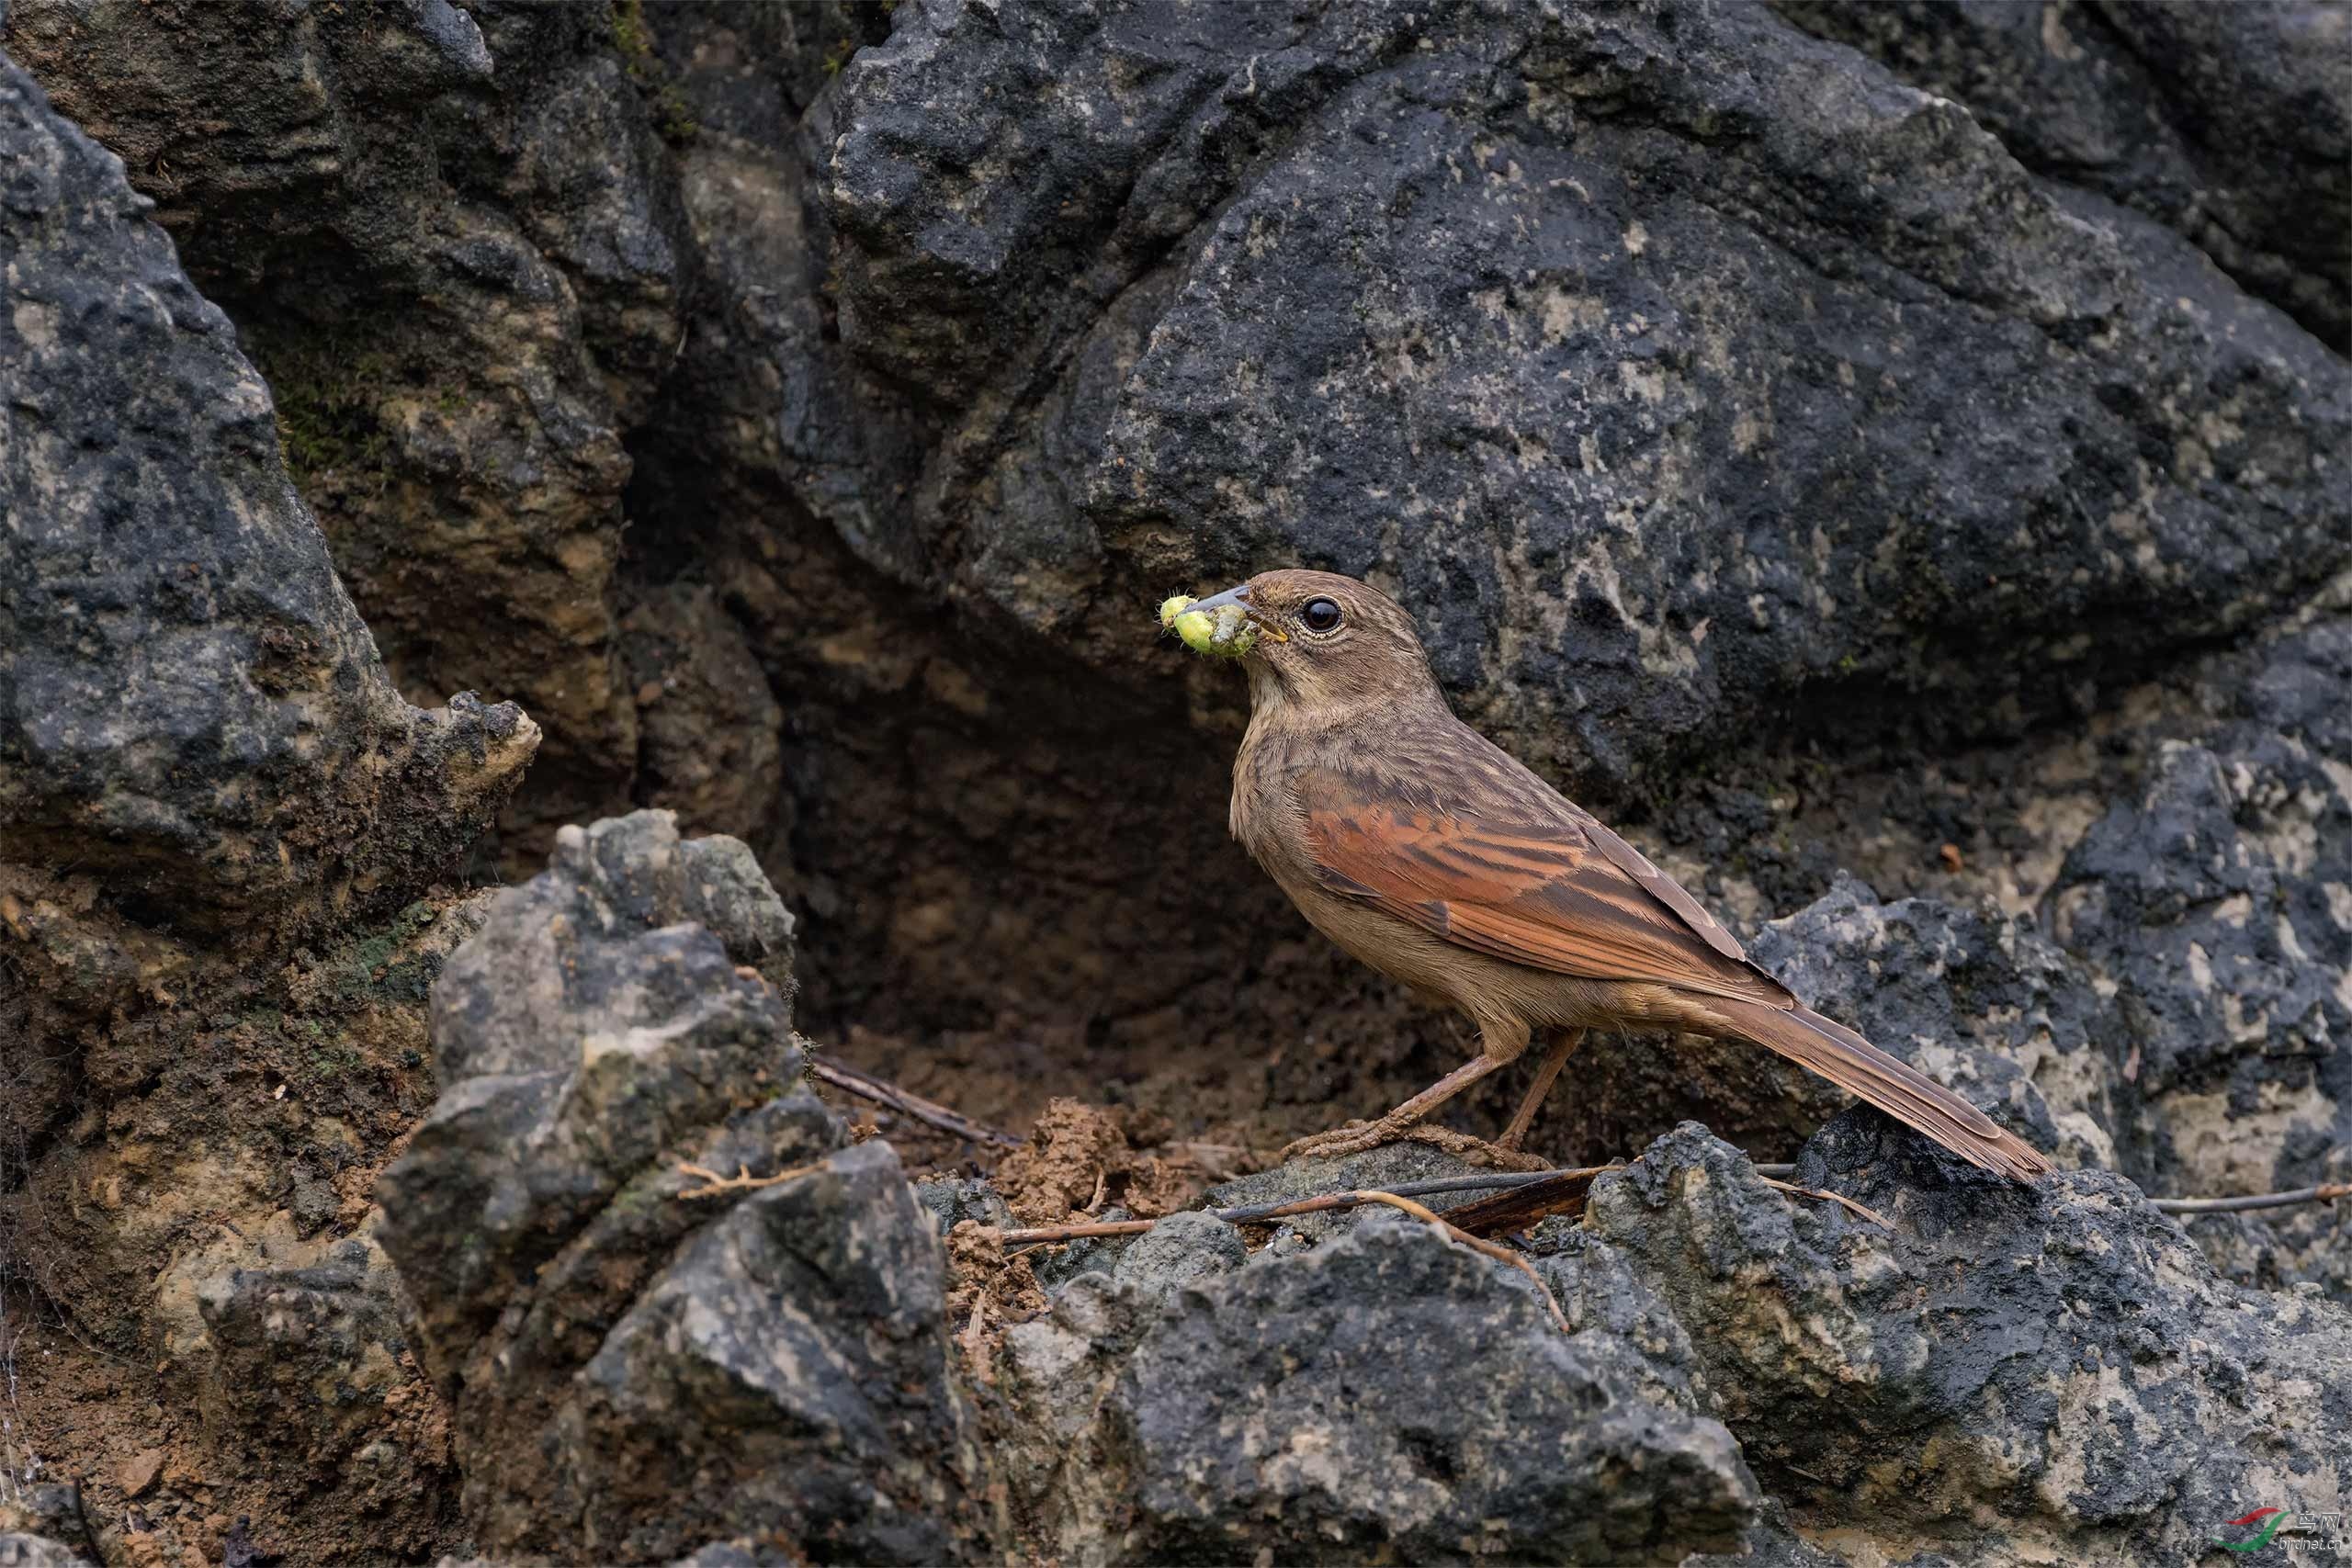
1525	1203
1571	1185
1847	1203
715	1185
2327	1191
931	1114
1252	1213
1260	1214
848	1080
1500	1253
1042	1235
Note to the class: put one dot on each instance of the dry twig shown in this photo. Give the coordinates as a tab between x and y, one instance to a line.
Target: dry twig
1485	1215
1507	1182
848	1080
715	1185
1500	1253
1870	1214
1523	1203
2327	1191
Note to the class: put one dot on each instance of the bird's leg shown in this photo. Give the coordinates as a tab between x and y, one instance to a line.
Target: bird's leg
1499	1047
1564	1045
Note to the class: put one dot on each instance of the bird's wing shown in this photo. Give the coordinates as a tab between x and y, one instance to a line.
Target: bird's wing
1530	879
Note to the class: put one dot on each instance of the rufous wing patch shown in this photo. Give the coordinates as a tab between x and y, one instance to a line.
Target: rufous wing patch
1550	895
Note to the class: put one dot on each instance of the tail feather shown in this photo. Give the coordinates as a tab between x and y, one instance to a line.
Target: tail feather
1854	1065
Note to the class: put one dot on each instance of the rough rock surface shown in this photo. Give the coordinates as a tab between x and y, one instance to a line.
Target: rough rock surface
1506	309
323	1349
1977	997
41	1524
223	844
2172	965
1981	1000
2233	125
1838	464
2000	1375
2003	1374
1690	377
21	1551
709	735
2211	899
1387	1391
443	234
1696	379
633	1371
189	706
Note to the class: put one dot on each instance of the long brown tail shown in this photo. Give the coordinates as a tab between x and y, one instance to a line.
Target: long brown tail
1854	1065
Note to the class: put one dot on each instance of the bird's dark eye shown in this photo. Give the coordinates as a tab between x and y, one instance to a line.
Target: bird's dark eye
1319	615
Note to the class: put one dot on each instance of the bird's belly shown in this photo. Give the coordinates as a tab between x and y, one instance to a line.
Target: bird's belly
1483	987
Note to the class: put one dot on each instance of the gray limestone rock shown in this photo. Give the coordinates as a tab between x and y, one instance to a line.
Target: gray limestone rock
1623	343
634	1370
448	236
189	706
2210	900
1183	1250
2231	124
2007	1373
1386	1391
1981	1003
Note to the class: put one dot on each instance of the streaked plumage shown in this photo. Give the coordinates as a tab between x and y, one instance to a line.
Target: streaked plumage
1432	854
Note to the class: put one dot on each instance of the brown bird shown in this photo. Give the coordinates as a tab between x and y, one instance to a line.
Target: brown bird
1429	852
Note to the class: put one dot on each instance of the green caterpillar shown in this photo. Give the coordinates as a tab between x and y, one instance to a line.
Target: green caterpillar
1227	633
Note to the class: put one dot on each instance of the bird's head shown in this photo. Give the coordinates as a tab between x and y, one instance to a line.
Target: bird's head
1325	643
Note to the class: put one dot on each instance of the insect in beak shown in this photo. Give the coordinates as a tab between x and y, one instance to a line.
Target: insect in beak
1239	597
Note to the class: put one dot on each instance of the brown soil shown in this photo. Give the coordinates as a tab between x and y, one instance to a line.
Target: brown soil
243	1128
1079	1160
989	1293
145	1470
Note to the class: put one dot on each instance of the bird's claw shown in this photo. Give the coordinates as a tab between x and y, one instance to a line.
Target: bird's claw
1351	1139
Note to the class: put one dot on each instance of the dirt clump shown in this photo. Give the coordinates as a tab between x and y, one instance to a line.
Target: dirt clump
1079	1158
989	1291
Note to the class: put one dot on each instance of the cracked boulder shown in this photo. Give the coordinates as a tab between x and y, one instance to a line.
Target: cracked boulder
1627	344
2231	124
1384	1390
2006	1373
636	1364
446	235
2212	899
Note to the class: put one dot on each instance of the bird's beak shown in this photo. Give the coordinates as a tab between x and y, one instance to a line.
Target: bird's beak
1239	598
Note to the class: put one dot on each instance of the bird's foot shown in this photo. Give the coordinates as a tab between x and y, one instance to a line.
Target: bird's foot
1351	1139
1357	1136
